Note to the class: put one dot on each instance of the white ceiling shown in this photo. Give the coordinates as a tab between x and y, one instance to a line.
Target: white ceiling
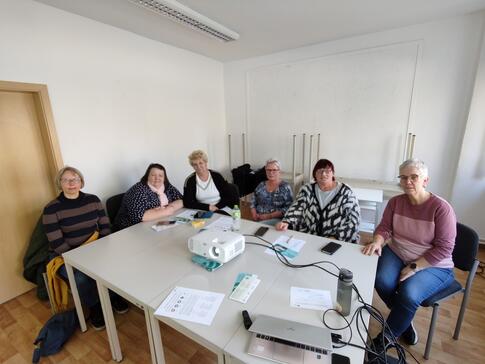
268	26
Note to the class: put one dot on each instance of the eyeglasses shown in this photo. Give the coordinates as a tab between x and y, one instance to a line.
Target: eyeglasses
413	178
272	169
70	180
324	171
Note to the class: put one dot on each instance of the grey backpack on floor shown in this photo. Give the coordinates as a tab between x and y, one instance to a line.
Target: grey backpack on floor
56	331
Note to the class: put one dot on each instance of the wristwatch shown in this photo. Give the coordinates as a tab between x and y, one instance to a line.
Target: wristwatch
413	266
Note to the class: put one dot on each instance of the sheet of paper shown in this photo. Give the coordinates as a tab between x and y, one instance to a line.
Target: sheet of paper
312	299
191	305
227	209
223	223
288	245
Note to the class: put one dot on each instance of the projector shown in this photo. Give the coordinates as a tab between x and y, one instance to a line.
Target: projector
220	246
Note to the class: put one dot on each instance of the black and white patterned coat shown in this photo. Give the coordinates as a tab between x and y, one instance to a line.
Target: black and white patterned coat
340	219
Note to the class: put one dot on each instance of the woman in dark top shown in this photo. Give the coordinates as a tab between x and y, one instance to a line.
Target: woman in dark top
70	220
150	199
206	189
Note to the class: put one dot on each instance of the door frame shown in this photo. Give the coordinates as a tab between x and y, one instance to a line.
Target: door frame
46	120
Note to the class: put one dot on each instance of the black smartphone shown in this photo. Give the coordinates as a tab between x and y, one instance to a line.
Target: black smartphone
203	215
340	359
261	231
166	222
330	248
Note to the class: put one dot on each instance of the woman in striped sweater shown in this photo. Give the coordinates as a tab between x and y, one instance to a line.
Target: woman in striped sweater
70	220
326	208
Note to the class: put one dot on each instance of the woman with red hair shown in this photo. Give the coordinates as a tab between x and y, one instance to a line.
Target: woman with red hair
326	207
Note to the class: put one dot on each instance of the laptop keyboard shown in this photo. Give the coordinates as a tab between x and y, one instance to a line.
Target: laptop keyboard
291	343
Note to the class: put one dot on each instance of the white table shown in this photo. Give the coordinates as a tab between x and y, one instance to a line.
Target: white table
143	266
227	337
228	318
138	263
276	300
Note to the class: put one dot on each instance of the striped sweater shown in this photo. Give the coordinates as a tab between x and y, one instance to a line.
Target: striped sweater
339	219
70	222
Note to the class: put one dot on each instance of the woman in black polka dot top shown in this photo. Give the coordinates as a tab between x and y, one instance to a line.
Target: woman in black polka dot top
150	199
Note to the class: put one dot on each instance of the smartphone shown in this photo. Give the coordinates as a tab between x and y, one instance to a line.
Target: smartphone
261	231
165	222
330	248
340	359
203	214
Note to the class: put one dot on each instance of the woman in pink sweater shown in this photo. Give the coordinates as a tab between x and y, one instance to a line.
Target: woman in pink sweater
414	240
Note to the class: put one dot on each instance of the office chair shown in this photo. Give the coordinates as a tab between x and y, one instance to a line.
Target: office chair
464	258
113	205
233	193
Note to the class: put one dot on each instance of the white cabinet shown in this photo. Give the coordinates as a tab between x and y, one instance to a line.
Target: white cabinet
370	201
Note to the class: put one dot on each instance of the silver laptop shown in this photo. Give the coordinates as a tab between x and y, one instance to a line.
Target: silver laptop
289	342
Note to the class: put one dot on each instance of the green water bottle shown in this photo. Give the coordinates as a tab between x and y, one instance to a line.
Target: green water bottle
236	218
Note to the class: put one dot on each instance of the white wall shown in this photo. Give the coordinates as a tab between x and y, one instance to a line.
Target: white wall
120	101
441	95
342	98
469	190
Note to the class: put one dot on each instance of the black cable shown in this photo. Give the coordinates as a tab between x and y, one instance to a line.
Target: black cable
285	260
358	313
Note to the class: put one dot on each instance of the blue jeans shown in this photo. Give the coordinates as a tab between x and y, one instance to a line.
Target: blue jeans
86	286
404	298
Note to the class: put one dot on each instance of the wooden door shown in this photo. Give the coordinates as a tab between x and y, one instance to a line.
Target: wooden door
26	185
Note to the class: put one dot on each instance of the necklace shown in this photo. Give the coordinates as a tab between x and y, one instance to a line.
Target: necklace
203	188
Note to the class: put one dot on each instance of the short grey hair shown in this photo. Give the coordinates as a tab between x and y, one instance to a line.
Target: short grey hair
273	161
68	169
416	163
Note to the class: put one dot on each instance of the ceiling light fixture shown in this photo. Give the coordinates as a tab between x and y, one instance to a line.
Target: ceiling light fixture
186	16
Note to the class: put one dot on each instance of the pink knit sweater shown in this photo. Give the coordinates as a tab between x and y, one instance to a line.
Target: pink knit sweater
427	230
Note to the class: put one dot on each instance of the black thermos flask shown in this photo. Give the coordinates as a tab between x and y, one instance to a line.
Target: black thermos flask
344	290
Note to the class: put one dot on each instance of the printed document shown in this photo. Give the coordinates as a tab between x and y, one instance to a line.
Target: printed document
312	299
223	223
191	305
288	246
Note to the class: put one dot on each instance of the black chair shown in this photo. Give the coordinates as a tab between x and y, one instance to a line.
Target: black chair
233	195
464	258
113	205
240	177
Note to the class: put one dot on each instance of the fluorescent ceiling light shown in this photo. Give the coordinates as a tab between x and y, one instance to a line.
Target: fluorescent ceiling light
186	16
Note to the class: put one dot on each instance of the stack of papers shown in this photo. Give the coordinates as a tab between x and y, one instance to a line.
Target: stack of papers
244	287
185	216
